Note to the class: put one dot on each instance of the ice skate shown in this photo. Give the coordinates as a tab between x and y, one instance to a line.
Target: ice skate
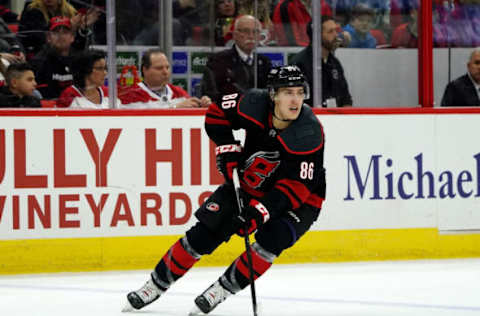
142	297
209	299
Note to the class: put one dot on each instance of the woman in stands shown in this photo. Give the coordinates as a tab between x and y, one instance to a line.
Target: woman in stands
88	90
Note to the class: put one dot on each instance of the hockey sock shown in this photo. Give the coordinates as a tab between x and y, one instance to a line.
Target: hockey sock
174	264
237	276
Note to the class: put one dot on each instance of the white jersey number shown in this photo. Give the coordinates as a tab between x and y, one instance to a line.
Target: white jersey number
229	101
306	170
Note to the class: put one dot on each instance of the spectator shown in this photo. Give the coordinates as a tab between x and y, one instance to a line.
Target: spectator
138	23
155	91
334	85
360	26
465	90
99	27
232	70
35	19
263	10
290	19
406	35
19	91
262	13
6	14
9	44
53	63
225	13
88	90
193	17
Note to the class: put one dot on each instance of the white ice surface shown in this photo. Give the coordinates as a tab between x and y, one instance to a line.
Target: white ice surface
393	288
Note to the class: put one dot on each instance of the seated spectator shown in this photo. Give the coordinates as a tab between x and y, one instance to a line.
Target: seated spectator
53	63
138	23
360	26
155	91
19	89
406	35
400	11
465	90
194	19
99	27
232	70
225	13
335	91
9	43
342	11
6	14
88	90
290	19
34	24
262	13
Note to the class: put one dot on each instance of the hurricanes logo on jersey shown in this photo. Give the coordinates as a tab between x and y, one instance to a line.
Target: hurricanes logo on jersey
260	166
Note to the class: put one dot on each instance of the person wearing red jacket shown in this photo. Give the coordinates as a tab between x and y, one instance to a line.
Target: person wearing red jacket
290	19
155	91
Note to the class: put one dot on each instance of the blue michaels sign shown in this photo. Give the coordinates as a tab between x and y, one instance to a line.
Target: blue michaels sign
428	185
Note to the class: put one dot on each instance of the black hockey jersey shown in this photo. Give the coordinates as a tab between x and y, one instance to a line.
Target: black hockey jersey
283	168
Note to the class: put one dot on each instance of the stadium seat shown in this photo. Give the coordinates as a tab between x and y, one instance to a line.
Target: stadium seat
48	103
13	27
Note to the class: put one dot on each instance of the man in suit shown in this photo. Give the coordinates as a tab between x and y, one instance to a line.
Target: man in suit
232	70
465	90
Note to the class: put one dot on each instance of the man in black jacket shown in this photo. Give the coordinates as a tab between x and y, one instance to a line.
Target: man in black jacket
232	71
335	91
53	63
18	93
465	90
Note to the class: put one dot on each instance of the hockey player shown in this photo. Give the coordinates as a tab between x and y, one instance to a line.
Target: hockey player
282	179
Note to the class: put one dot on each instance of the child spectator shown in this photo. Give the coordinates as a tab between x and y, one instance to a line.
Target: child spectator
20	87
360	26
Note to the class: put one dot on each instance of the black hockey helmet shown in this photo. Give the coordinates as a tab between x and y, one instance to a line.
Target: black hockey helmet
286	76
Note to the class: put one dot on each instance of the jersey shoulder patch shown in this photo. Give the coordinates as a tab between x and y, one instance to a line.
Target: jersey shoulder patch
305	135
254	106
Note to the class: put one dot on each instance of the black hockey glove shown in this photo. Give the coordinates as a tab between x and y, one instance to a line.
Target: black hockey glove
255	214
228	157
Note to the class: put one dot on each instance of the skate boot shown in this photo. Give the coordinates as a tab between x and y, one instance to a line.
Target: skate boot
209	299
142	297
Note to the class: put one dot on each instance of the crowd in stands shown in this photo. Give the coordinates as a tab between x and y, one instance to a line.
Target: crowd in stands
52	39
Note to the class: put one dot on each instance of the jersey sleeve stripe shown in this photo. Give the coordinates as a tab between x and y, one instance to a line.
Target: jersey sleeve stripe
315	201
299	189
286	191
216	121
214	110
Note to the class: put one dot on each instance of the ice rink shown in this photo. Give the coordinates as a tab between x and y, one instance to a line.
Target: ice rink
393	288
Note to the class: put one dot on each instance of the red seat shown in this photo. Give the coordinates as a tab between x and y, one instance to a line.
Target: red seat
13	27
48	103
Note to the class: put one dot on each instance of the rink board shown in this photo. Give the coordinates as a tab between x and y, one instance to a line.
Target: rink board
121	253
106	190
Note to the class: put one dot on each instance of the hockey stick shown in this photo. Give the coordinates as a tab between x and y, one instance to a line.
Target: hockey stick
236	185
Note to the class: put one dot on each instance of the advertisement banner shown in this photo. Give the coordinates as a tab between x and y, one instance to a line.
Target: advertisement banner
104	176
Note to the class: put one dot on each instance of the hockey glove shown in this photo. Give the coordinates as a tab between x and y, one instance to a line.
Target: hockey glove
256	214
228	157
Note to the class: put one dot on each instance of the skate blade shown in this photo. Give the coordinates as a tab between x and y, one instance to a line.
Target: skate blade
195	311
128	308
